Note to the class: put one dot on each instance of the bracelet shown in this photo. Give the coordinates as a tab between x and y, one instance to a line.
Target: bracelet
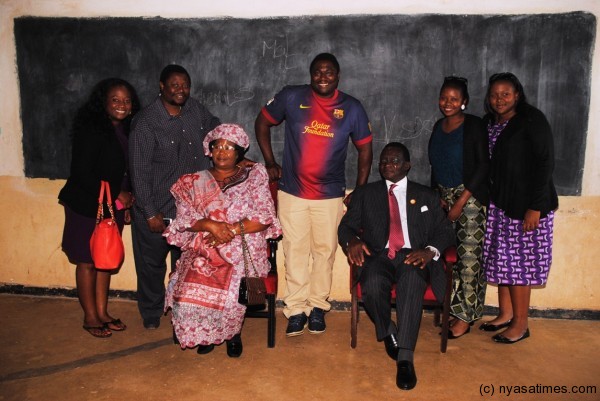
242	228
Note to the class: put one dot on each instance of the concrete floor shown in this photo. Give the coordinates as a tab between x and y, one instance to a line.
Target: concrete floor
45	355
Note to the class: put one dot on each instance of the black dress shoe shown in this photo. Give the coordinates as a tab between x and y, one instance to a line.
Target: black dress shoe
499	338
234	346
391	346
494	327
406	378
152	323
205	349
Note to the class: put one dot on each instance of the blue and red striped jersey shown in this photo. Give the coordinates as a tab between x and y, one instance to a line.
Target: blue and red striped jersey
317	131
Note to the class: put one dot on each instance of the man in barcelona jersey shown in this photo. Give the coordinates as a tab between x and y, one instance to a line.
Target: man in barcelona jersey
319	122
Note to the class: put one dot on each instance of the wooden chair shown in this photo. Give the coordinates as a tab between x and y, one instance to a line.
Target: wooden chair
441	309
268	310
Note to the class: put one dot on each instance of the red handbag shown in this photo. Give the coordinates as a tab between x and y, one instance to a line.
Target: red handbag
106	244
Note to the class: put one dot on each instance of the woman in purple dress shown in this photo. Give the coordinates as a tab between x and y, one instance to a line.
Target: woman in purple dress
517	251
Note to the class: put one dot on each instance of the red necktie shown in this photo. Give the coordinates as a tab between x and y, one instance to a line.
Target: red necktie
396	236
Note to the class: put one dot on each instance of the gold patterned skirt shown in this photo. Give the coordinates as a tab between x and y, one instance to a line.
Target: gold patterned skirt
469	283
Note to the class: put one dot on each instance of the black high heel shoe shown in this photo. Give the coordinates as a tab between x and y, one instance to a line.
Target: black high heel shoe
494	327
234	346
175	339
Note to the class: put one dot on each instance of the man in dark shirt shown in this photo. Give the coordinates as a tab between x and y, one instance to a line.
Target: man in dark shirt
165	143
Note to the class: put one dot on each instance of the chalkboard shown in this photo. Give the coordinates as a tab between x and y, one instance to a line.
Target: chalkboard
394	64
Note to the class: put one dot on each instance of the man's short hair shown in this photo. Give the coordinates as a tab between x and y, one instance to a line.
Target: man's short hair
173	69
403	149
325	57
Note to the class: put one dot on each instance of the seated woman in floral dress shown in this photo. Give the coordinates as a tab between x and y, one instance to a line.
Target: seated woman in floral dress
215	208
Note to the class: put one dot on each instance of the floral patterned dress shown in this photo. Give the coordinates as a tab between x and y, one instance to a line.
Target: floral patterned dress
203	290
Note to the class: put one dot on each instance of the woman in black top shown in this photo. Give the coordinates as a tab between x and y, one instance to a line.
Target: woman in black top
517	252
100	132
458	153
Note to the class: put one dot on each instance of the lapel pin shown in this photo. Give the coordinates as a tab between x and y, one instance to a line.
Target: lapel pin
412	201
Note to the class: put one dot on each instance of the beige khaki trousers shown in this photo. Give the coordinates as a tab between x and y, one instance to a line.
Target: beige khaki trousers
309	232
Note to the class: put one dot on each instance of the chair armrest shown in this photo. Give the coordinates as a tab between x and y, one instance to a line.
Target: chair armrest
273	187
272	254
353	274
450	255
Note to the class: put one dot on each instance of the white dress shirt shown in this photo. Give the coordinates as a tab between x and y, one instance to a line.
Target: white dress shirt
400	194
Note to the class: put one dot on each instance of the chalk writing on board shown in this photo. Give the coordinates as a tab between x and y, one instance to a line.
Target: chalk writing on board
225	96
276	49
394	130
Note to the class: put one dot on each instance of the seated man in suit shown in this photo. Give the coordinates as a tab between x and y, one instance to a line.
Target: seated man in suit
394	230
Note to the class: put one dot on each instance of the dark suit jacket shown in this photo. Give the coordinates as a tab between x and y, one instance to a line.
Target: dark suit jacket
368	214
521	165
476	158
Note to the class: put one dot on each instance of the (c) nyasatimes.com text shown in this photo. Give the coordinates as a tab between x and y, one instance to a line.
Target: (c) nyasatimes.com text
490	389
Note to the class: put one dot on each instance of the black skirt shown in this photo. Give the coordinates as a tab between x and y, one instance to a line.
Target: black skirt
77	233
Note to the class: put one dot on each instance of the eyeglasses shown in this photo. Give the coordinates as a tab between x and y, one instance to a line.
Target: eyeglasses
390	161
227	148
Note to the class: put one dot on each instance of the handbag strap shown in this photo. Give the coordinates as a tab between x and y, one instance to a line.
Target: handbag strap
246	252
100	215
101	197
108	197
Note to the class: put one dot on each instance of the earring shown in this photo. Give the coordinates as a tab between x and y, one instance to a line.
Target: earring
462	107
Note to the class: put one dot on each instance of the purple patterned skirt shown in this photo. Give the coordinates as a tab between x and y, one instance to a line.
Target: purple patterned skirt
514	257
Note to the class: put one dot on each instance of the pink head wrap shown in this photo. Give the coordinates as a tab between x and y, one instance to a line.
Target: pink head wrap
230	132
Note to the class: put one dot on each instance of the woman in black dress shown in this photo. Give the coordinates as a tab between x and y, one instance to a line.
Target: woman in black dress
100	132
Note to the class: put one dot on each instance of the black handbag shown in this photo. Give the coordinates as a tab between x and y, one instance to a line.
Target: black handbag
252	289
